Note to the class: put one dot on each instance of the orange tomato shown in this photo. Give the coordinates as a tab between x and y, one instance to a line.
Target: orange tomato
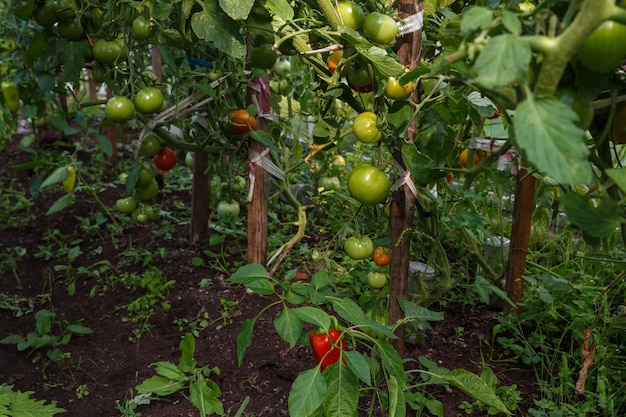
478	156
241	122
382	256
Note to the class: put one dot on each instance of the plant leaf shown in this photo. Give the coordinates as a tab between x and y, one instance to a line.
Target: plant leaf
307	393
597	221
342	395
391	361
161	386
244	339
358	365
503	60
314	315
288	326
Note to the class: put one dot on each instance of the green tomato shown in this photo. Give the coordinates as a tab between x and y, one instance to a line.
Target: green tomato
365	128
139	215
226	209
46	15
142	28
281	67
583	108
358	248
376	279
147	193
145	177
126	205
329	183
263	56
71	30
351	14
238	183
380	28
149	100
119	109
109	52
66	9
368	185
605	48
189	159
151	145
359	80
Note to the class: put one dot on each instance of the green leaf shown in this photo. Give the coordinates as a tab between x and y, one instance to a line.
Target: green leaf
161	386
43	322
78	329
358	365
57	176
288	326
349	310
280	8
618	175
237	9
419	165
244	339
546	133
315	316
475	18
320	279
170	371
472	385
19	404
415	312
342	395
213	25
187	348
307	393
597	221
254	277
382	63
23	9
61	204
204	398
503	60
392	362
73	54
511	22
397	402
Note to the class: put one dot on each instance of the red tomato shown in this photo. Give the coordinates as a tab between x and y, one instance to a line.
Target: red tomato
241	122
166	159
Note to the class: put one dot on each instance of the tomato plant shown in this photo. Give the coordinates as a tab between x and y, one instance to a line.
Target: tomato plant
119	109
380	28
227	209
358	247
165	159
605	48
142	28
263	56
351	14
150	145
149	100
381	256
395	91
126	205
241	122
368	185
376	279
365	127
148	192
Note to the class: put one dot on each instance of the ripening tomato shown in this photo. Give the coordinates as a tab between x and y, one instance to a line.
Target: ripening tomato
358	248
380	28
395	91
368	185
119	109
365	127
149	100
464	156
382	256
334	59
605	48
166	159
351	14
241	122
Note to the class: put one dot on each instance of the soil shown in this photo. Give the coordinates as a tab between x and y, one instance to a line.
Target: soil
102	369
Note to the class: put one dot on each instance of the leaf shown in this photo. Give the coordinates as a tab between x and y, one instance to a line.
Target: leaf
397	402
237	9
419	165
307	393
280	8
78	329
472	385
618	175
61	204
254	277
19	404
342	394
546	132
392	362
416	312
475	18
503	60
161	386
244	339
170	371
187	348
511	22
72	54
314	315
288	326
57	176
213	25
22	9
358	365
382	63
43	322
597	221
204	399
349	310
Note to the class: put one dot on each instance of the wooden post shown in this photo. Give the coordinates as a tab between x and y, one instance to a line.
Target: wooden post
520	236
110	131
201	191
403	200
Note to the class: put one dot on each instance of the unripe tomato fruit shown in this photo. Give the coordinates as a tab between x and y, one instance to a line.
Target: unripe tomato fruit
329	183
605	48
376	280
281	67
227	209
148	192
166	159
359	80
66	9
119	109
368	185
126	205
46	15
395	91
150	145
149	100
263	56
583	108
380	28
145	177
142	28
71	30
241	122
109	52
351	14
358	248
365	129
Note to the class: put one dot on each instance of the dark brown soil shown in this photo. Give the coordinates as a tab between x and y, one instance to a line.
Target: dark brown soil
109	366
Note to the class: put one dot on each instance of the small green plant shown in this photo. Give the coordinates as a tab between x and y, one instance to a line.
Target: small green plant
44	339
203	320
20	306
20	404
129	407
9	259
170	378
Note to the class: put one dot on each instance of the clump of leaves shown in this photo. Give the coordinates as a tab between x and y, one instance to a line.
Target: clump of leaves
20	404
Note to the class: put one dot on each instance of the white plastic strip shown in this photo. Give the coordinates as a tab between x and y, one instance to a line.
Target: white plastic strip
405	178
411	24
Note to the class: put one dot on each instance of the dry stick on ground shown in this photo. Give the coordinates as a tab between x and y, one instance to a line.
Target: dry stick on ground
403	201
